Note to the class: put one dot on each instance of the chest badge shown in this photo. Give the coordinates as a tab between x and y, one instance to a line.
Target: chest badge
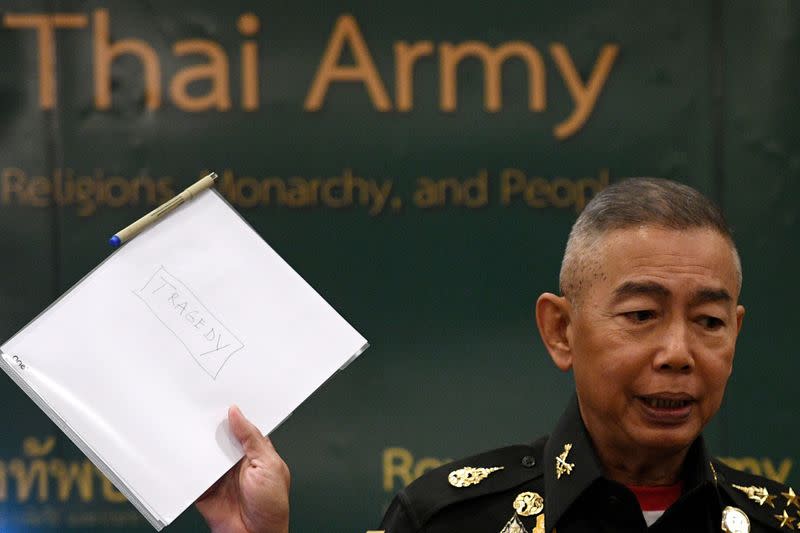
735	521
759	495
464	477
562	466
514	525
528	503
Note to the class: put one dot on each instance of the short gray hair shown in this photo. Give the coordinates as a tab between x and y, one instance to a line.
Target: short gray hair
637	202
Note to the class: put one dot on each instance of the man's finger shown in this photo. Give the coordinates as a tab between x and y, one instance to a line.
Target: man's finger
247	434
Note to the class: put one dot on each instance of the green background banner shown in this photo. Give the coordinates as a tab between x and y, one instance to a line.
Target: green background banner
420	164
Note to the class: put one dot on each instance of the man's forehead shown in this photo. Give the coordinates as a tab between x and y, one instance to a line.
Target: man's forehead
657	233
645	259
658	244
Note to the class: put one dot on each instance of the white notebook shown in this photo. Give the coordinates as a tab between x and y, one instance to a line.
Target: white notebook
140	360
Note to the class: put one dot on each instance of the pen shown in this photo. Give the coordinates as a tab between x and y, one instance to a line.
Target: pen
156	214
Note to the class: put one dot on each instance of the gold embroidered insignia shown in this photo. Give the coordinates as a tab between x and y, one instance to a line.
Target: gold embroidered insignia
539	528
464	477
791	498
757	494
785	519
735	521
528	504
562	466
514	525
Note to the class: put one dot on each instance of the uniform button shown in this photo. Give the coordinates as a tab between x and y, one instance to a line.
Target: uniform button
528	461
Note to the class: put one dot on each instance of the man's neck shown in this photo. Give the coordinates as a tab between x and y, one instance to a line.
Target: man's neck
662	468
633	465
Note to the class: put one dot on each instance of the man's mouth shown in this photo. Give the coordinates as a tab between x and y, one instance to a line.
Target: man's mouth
667	408
664	403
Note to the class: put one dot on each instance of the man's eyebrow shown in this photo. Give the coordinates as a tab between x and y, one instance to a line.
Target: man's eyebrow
710	296
635	288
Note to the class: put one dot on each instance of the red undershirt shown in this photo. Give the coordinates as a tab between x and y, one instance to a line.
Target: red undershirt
655	500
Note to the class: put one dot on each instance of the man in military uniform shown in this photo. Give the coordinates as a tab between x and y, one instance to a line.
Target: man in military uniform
647	321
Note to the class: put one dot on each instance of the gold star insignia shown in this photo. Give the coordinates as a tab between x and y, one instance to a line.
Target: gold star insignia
758	494
785	520
770	500
791	498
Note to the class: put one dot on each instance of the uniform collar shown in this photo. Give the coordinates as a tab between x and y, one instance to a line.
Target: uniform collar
570	430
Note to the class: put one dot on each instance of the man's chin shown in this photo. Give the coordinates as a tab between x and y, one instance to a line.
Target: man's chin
668	429
666	439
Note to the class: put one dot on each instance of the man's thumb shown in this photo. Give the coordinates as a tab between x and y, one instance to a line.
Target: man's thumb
246	433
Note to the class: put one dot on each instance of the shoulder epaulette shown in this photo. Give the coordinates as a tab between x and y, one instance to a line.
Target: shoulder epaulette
771	503
479	475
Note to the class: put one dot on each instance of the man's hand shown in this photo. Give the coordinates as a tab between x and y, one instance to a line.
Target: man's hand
253	496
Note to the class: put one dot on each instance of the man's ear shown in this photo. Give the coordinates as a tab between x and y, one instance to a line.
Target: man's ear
553	318
739	318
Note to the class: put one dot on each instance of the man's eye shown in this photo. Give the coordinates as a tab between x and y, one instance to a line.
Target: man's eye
639	316
711	322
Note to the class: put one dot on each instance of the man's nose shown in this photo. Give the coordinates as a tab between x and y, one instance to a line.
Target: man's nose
675	353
